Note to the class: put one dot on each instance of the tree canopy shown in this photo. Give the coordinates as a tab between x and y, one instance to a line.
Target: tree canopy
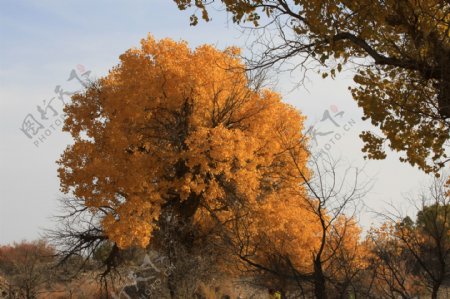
400	49
172	132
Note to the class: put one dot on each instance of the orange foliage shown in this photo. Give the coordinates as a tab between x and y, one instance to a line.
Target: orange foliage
175	125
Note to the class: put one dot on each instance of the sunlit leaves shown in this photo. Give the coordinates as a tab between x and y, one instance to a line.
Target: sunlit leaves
180	129
400	49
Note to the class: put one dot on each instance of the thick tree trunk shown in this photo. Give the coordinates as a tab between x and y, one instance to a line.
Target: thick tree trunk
434	292
176	233
444	97
319	281
171	280
171	286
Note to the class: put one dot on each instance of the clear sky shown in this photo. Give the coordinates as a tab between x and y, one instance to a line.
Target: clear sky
43	41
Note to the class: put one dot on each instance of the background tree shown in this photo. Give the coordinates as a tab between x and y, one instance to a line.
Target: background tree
393	274
415	255
27	268
400	49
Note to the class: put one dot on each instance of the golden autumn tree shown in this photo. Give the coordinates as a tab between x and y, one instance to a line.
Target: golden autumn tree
304	241
399	48
347	258
282	251
173	133
275	245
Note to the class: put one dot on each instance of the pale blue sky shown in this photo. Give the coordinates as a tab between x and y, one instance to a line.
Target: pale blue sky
42	41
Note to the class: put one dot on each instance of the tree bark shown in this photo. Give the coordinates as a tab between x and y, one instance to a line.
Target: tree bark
434	292
319	281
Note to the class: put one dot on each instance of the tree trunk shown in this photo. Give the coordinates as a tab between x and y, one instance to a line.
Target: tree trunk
171	286
444	98
435	291
171	280
319	281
